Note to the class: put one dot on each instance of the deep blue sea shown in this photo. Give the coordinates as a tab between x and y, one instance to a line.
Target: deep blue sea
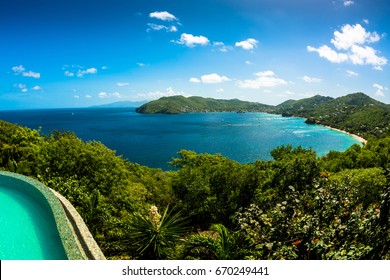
153	140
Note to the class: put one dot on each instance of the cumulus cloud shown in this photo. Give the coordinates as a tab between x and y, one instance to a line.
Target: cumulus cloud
37	88
18	69
348	3
308	79
81	73
329	54
352	74
104	94
248	44
222	47
163	16
31	74
22	87
264	79
158	94
379	89
351	45
191	41
210	79
21	70
68	74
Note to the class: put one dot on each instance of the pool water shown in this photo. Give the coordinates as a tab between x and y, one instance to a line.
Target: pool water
27	227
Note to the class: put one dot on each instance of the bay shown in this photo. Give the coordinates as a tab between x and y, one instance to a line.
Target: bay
153	140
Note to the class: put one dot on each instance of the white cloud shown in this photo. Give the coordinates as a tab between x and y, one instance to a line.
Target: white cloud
122	84
366	55
103	94
76	96
352	41
21	70
379	89
329	54
378	68
248	62
248	44
220	90
88	96
22	87
163	16
210	79
158	27
351	35
158	94
222	47
352	74
81	73
366	21
190	40
264	79
18	69
348	3
68	74
213	79
31	74
195	80
37	88
308	79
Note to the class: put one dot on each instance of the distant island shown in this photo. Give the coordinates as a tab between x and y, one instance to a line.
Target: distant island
355	113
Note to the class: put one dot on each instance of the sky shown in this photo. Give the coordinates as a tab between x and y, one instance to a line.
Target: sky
78	53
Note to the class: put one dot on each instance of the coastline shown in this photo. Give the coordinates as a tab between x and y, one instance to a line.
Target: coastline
360	139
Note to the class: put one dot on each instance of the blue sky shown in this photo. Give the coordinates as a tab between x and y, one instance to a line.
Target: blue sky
77	53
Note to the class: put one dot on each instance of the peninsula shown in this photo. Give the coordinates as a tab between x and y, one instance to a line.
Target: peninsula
354	113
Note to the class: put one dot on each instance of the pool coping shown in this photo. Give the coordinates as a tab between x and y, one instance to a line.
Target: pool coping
76	239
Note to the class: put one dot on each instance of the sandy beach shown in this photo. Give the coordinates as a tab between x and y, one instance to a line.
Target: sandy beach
360	139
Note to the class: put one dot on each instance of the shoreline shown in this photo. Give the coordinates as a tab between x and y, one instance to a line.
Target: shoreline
360	139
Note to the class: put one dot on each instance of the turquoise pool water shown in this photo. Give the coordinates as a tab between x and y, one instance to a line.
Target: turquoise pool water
27	227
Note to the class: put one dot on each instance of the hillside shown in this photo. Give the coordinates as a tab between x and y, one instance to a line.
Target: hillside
356	113
181	104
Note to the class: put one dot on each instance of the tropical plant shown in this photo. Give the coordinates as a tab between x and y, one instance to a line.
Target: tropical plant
155	236
217	244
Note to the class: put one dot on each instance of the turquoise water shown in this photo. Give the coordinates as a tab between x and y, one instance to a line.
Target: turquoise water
27	228
153	140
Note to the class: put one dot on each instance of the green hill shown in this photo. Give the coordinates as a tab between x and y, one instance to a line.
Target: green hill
180	104
356	113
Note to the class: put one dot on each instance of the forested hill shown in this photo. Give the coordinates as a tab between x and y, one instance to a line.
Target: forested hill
180	104
356	113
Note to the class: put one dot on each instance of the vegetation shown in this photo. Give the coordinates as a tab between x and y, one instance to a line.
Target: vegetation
356	113
180	104
296	206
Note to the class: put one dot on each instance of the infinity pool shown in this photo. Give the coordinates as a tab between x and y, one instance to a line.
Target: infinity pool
28	229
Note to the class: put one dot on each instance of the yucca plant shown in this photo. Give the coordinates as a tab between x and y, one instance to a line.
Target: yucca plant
155	236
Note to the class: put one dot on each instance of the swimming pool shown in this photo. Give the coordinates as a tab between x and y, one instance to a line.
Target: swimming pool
33	223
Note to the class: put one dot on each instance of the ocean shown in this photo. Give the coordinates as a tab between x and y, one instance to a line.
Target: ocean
153	140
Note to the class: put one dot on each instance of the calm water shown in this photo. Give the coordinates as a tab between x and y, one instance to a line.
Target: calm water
27	231
153	140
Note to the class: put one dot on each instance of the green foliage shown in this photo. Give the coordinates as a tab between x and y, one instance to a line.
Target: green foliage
211	188
154	236
296	206
180	104
217	244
